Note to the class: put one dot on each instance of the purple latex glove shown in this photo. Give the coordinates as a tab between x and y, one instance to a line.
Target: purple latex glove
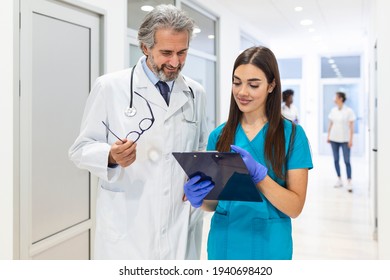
196	191
256	170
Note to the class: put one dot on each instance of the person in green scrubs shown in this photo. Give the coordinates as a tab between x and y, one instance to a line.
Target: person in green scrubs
277	155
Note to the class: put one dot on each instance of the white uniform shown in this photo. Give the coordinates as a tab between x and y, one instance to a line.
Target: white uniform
290	113
140	209
340	118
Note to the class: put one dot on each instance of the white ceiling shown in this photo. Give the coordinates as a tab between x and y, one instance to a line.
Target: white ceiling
340	26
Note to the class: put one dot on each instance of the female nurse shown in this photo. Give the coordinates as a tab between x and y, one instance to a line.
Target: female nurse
277	155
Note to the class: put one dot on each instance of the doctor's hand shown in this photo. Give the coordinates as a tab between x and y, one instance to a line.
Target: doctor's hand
122	152
257	171
196	191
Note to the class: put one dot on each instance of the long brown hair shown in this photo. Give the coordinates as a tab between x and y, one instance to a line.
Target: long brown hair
274	146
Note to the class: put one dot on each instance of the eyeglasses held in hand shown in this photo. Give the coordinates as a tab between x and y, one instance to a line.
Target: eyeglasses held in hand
144	125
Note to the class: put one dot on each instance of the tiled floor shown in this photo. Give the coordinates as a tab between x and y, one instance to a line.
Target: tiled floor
334	224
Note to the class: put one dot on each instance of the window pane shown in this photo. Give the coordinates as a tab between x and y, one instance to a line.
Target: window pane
290	68
204	40
340	67
135	54
202	70
135	14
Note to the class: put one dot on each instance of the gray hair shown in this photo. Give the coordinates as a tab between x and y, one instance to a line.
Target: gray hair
163	17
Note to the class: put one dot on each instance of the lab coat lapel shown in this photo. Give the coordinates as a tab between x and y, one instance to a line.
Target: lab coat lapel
179	96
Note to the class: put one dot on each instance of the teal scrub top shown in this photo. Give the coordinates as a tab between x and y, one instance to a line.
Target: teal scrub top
256	230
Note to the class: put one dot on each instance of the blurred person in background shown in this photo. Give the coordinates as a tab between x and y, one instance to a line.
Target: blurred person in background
289	110
340	135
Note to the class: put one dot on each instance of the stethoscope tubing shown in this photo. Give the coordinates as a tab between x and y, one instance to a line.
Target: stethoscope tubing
131	87
131	111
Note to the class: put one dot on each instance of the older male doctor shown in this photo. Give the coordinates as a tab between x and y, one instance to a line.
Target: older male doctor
128	133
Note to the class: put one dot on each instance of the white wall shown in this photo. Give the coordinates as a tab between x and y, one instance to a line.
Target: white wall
8	85
116	23
383	183
310	96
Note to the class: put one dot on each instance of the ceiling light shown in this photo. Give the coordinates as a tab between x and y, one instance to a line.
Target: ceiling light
331	61
306	22
197	30
211	36
298	9
147	8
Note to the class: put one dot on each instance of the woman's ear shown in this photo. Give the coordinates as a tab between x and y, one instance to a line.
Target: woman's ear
271	86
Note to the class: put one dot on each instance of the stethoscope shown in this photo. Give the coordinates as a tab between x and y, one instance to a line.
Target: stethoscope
131	111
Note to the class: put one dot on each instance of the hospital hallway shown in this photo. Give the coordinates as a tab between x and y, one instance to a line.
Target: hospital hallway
334	224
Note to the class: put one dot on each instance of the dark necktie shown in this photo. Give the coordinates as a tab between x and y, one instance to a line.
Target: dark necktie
164	90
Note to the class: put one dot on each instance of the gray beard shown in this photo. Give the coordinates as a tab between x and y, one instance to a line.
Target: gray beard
160	72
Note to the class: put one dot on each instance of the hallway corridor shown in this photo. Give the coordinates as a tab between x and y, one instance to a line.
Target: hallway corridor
334	224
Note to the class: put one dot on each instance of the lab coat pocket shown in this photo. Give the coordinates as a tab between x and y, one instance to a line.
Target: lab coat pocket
271	239
218	235
111	220
189	137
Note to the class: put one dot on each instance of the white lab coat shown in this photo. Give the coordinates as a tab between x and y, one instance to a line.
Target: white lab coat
140	212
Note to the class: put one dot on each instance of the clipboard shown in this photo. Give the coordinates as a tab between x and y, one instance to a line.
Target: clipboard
226	170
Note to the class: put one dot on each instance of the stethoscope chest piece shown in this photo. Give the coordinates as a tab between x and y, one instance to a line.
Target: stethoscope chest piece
130	111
